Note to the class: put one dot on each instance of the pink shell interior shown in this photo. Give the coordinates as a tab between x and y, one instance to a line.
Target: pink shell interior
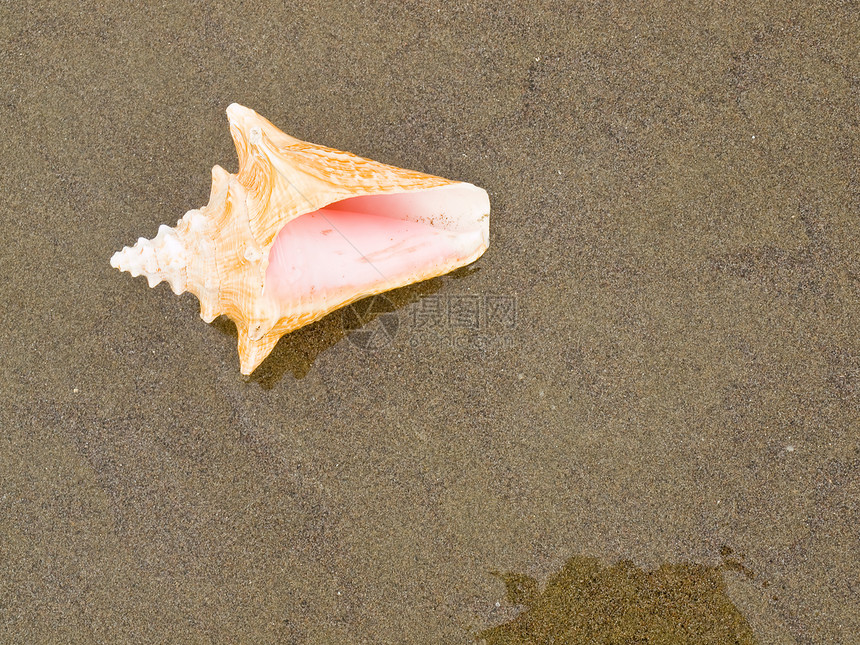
354	244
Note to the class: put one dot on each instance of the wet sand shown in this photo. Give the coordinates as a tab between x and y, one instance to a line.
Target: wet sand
652	372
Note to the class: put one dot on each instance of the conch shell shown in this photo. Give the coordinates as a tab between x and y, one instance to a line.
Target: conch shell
302	229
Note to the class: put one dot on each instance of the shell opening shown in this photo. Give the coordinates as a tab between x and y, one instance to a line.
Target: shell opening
367	244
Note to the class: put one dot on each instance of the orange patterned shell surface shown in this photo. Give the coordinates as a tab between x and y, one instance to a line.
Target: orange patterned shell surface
302	230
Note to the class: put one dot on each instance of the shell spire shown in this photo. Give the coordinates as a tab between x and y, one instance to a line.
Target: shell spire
302	229
161	258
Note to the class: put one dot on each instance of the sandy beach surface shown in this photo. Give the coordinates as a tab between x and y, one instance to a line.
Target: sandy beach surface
635	419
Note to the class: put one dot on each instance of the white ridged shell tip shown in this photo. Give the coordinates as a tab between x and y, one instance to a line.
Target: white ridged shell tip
162	258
